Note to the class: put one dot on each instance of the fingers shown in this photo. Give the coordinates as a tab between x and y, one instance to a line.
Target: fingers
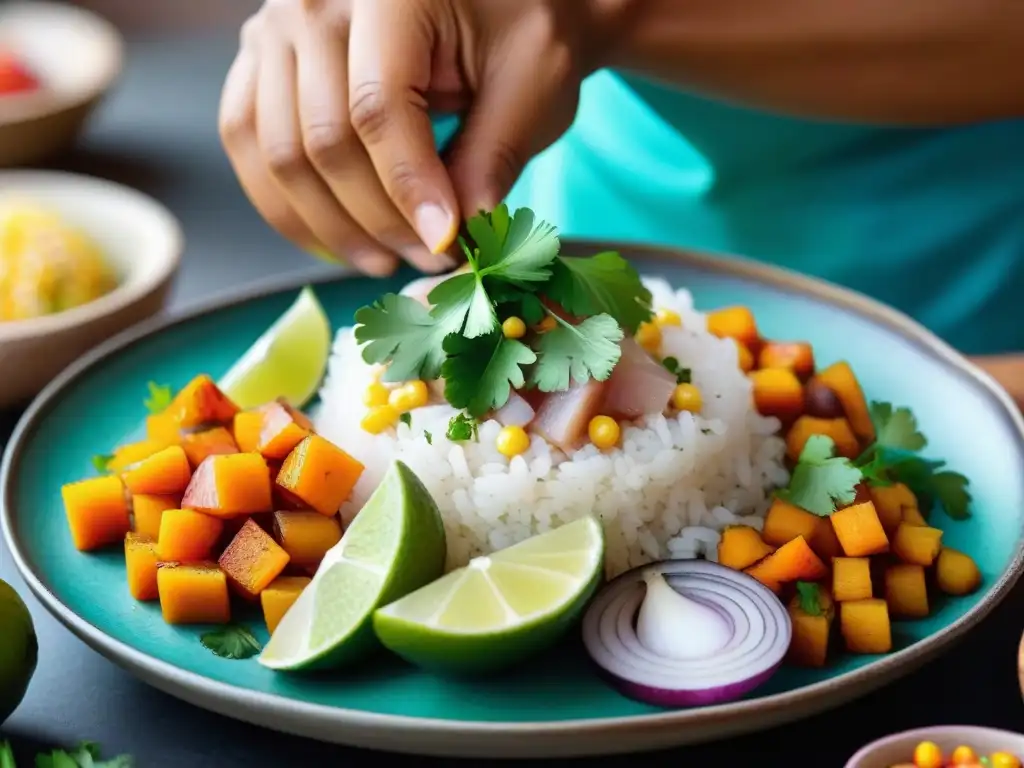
391	46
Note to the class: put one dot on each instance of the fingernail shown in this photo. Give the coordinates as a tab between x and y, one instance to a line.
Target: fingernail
327	256
436	226
420	257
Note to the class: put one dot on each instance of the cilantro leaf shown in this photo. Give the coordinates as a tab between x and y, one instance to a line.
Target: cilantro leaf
406	418
233	641
101	462
428	437
821	479
461	427
6	755
603	283
401	332
683	375
517	251
480	373
896	428
577	352
160	397
809	595
461	305
950	490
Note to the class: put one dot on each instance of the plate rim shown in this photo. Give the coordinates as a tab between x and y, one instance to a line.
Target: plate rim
493	738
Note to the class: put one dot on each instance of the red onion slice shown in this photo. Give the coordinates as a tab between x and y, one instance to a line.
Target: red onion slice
759	632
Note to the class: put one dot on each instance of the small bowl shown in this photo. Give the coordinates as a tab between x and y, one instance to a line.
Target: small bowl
141	240
76	54
899	748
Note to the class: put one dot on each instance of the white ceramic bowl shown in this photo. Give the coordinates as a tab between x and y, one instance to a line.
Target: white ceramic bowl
899	748
76	54
141	240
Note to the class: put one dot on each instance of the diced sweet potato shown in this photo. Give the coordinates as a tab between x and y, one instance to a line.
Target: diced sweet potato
744	357
795	356
187	536
917	544
793	561
201	403
890	501
806	427
229	485
277	598
735	323
196	593
164	473
163	427
778	392
865	626
130	454
306	535
741	546
851	578
140	561
785	521
840	379
252	560
282	428
824	541
97	512
147	510
247	428
906	591
198	446
956	573
859	530
913	516
319	473
808	646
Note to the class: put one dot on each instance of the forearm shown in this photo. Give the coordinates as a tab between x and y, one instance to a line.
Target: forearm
912	62
1008	370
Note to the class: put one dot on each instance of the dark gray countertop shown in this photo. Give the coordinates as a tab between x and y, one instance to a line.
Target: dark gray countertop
157	133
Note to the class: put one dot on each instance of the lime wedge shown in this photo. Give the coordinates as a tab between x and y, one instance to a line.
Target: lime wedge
395	545
287	361
500	608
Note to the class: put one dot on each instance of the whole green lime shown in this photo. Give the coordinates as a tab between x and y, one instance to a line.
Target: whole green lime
18	650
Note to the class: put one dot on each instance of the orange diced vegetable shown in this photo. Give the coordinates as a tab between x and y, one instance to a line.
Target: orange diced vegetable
306	536
196	593
252	560
859	530
279	597
890	501
201	403
735	323
741	546
840	379
808	645
211	442
745	358
247	428
778	392
163	427
282	428
795	356
956	573
918	544
906	591
865	626
187	536
851	578
913	516
147	510
806	427
785	521
132	453
164	473
824	541
793	561
97	512
319	473
229	485
140	566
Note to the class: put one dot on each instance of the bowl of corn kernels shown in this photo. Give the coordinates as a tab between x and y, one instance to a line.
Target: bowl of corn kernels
947	746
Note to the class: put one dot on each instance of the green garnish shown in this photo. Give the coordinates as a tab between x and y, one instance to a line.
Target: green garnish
604	283
6	755
479	373
428	437
896	428
809	595
516	250
85	755
233	641
932	487
821	479
579	352
683	375
404	334
102	464
160	397
406	418
461	427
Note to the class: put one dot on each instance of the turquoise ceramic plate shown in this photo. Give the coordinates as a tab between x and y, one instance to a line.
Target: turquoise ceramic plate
556	705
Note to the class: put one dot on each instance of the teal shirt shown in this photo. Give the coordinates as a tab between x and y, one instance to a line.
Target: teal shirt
930	221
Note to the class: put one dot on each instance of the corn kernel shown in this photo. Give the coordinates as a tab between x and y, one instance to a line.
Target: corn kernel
665	317
604	432
928	755
376	394
648	336
513	328
379	418
512	441
686	397
963	755
746	357
1003	760
412	394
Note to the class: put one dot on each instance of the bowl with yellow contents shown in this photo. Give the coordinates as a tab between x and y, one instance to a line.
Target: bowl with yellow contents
944	746
81	259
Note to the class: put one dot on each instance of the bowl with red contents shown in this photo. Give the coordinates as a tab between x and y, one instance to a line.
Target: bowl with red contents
944	746
56	64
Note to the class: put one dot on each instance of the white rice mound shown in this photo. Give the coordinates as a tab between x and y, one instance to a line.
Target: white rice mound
668	490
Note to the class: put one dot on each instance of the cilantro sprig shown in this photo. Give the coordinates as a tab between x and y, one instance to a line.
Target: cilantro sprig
821	480
85	755
232	641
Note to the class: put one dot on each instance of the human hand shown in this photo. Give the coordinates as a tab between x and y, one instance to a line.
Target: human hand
324	115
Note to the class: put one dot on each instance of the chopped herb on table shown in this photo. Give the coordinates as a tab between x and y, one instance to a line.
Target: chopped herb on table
233	641
85	755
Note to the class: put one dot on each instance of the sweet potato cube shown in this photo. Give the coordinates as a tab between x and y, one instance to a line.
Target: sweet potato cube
793	561
851	578
735	323
277	598
164	473
140	561
196	593
741	546
795	356
252	560
785	521
859	530
282	428
97	512
229	485
306	535
147	509
806	427
247	428
201	403
187	536
890	501
808	646
865	626
778	392
913	516
128	455
840	379
163	427
319	473
824	541
956	573
906	591
917	544
210	442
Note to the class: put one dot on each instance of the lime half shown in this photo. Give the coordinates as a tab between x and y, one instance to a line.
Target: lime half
18	650
500	608
287	361
395	545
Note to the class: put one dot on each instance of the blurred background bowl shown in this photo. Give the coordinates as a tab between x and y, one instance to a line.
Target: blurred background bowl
899	748
75	54
139	238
